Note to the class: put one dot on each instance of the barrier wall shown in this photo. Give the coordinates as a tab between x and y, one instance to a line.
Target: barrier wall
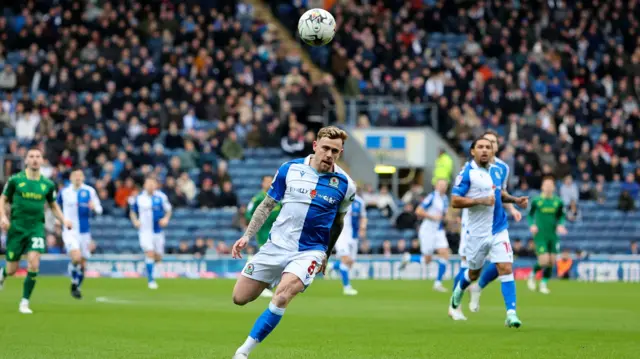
595	269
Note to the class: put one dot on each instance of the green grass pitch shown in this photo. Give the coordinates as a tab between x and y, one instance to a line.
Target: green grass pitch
389	319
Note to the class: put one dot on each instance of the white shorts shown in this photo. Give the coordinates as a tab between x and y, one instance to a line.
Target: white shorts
152	242
347	246
272	261
496	247
431	241
463	242
74	241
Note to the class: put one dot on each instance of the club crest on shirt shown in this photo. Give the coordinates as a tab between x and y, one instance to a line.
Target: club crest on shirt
302	173
43	186
333	182
458	180
83	194
248	269
313	193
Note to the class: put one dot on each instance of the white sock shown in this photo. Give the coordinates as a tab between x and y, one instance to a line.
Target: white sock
24	301
248	346
437	283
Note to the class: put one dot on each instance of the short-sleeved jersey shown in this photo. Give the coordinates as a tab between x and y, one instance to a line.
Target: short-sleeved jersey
75	206
310	203
150	209
28	197
500	220
476	182
547	214
434	204
355	213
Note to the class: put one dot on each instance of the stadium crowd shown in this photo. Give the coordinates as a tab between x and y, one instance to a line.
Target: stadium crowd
166	88
558	80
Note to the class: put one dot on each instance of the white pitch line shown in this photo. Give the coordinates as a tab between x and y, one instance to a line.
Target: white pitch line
112	300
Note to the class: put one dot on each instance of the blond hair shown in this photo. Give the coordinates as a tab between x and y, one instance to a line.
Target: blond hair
333	132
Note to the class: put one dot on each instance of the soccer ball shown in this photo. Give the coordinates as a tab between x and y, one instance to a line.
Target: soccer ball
317	27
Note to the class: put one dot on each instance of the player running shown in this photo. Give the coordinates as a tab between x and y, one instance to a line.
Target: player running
315	195
355	227
77	202
150	214
500	222
546	220
263	234
27	191
432	236
478	188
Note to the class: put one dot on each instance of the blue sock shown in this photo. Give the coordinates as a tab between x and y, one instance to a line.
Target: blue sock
344	272
266	322
464	280
442	268
509	291
75	273
456	280
336	265
80	276
150	262
489	274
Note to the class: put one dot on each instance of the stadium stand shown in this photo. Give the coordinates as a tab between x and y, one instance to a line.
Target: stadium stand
558	80
200	94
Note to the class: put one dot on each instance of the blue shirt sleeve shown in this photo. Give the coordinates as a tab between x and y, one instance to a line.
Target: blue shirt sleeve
462	184
427	201
279	183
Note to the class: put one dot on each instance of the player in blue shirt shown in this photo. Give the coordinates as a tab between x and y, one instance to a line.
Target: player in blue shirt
315	195
479	188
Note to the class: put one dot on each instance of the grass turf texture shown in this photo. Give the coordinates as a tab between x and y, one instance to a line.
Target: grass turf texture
389	319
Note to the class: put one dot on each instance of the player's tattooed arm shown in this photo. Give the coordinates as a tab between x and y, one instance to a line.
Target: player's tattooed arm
260	216
507	198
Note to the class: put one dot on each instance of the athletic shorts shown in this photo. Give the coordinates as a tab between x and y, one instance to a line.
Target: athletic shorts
272	261
77	241
496	247
431	241
152	242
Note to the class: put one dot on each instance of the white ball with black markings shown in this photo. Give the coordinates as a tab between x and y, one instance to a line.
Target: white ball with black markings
317	27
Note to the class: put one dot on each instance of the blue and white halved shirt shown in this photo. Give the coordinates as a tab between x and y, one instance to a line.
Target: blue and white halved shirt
150	208
434	204
310	203
501	177
74	203
476	182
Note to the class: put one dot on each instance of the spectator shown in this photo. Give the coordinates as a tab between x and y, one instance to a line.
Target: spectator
600	195
407	219
207	198
563	168
520	251
401	247
369	196
8	78
569	190
189	157
53	245
415	247
199	249
573	212
414	194
386	249
183	247
186	186
231	149
626	202
631	186
222	248
365	247
228	197
223	175
124	191
293	144
385	203
206	173
633	248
